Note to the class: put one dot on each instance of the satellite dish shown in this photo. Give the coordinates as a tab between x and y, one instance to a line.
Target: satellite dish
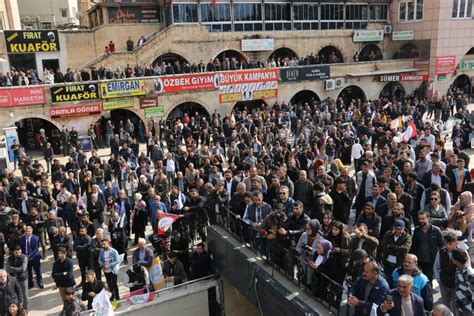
79	15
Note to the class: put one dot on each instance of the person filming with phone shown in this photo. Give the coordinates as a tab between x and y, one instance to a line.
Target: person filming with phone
402	301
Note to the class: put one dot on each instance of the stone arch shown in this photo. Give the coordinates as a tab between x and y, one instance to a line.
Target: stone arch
392	90
365	52
18	118
327	50
138	113
305	95
407	50
204	106
170	57
250	105
462	84
352	92
283	52
232	53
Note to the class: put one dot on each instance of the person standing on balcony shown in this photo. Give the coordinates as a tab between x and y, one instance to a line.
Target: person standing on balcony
130	44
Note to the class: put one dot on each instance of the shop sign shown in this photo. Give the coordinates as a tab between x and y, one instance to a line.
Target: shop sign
157	111
368	36
75	92
133	15
258	45
117	104
21	42
445	65
75	111
403	77
170	84
316	72
403	35
148	102
466	65
423	64
122	88
248	85
21	97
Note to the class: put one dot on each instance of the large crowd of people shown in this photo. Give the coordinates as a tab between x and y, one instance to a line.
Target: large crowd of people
348	191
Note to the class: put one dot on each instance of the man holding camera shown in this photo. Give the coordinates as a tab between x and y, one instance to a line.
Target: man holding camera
402	301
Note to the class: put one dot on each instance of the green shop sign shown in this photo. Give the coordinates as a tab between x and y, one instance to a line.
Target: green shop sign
466	65
155	112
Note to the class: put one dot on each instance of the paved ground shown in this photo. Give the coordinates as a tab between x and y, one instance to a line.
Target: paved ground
48	302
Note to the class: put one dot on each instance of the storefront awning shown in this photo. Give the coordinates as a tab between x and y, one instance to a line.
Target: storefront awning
382	72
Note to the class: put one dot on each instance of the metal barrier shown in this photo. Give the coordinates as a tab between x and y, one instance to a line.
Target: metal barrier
326	291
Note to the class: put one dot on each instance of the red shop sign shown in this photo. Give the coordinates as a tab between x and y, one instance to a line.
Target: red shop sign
74	111
414	77
445	65
21	97
421	64
179	83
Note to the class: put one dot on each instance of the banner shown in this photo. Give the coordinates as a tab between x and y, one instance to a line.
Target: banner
445	65
117	104
465	65
157	111
403	35
368	36
22	96
31	41
156	274
257	45
248	85
315	72
204	81
139	297
133	15
123	88
165	220
423	64
76	92
74	111
403	77
101	304
148	102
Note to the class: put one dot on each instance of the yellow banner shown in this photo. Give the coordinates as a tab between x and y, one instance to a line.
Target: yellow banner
122	88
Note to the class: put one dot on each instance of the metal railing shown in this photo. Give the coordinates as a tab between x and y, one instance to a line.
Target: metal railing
162	291
322	287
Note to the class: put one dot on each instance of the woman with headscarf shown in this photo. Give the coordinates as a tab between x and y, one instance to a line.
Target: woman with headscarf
118	236
340	240
323	251
466	205
306	248
139	218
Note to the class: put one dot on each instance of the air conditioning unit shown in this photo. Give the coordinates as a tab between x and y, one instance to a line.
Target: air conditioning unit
330	84
340	82
387	29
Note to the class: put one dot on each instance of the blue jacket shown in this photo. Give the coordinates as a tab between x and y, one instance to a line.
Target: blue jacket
421	286
377	294
34	247
417	303
114	260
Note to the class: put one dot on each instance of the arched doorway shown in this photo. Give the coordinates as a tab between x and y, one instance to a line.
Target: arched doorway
190	109
29	133
230	53
120	119
350	93
305	96
249	107
283	53
330	55
408	50
462	84
170	58
370	52
392	90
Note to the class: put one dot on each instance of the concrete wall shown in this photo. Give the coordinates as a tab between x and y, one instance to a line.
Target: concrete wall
196	43
49	10
11	16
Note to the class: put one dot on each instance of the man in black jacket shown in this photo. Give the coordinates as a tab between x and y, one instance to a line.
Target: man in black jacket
16	266
63	274
342	200
82	245
173	270
91	288
427	240
10	291
201	263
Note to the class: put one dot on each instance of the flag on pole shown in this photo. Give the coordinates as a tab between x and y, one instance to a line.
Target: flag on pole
165	220
396	123
101	304
410	132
